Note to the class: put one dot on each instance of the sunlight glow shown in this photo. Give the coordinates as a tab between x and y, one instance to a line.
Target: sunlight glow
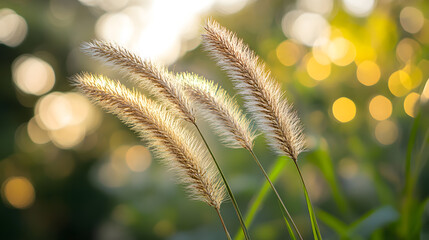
323	7
154	31
307	28
360	8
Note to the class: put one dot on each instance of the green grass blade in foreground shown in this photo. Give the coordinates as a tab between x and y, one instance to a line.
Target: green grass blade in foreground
410	147
372	221
285	212
289	229
314	225
231	195
334	223
321	158
274	174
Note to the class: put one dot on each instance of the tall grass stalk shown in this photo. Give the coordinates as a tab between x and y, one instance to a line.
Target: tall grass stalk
161	84
224	115
314	224
228	189
279	199
177	148
263	97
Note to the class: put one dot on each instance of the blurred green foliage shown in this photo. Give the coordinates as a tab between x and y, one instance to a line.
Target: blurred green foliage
366	177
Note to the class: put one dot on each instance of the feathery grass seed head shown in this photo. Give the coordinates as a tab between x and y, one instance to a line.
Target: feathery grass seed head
146	74
220	110
177	148
262	95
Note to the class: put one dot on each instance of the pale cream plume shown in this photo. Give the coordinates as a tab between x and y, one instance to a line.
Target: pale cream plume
262	95
220	110
172	143
146	74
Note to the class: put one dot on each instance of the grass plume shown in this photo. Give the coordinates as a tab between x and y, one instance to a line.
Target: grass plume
262	95
146	74
171	142
220	110
161	84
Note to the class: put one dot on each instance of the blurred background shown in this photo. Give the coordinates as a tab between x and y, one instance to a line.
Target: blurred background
356	71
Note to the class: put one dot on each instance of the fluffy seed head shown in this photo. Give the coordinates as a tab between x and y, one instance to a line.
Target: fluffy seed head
170	141
262	95
220	110
146	74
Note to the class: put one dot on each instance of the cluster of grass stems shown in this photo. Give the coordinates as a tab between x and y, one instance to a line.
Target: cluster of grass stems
167	120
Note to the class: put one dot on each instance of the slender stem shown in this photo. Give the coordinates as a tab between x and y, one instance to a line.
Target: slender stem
223	224
231	195
410	147
275	191
314	224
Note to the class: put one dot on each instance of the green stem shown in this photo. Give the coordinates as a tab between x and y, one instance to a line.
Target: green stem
275	191
260	197
314	224
411	141
223	224
231	195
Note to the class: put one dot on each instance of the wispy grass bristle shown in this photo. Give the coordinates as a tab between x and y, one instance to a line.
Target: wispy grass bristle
220	110
172	143
147	74
262	95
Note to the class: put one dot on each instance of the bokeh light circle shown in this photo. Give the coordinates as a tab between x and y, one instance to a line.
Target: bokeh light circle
380	108
344	109
32	75
18	192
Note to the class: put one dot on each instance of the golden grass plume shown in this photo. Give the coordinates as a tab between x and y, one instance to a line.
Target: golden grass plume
262	95
220	110
147	74
171	142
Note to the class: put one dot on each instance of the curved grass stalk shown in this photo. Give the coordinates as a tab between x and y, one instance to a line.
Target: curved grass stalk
228	189
279	199
223	224
314	224
260	197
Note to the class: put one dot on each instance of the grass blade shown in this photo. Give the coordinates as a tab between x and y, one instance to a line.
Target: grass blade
334	223
373	221
321	158
283	208
260	197
289	228
314	225
230	194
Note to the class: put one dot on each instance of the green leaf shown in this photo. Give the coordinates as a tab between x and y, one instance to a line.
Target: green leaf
262	194
417	220
372	221
322	159
334	223
289	228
